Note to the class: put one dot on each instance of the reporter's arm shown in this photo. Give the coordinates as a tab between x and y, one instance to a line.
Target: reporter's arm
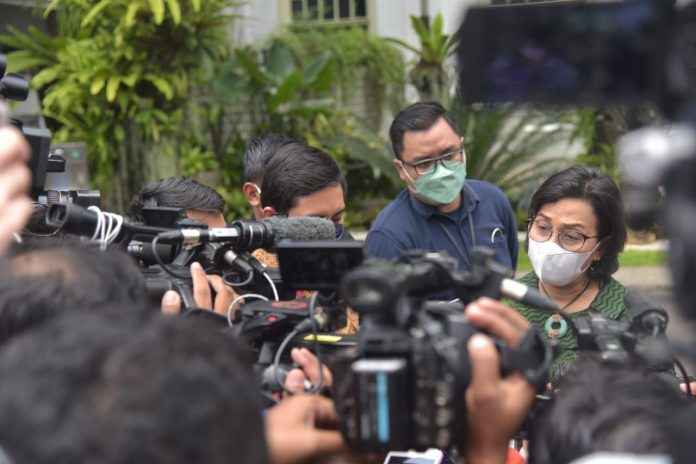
496	407
302	427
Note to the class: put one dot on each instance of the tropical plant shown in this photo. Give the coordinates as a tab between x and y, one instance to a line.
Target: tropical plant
429	75
279	94
284	93
118	76
366	160
359	60
511	147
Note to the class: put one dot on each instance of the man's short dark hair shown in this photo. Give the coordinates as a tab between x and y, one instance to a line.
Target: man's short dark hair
298	170
259	152
42	278
92	389
606	406
587	183
420	116
176	192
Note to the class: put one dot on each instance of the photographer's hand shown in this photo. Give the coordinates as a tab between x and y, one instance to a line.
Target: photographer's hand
15	178
202	294
302	427
308	369
682	388
496	407
202	282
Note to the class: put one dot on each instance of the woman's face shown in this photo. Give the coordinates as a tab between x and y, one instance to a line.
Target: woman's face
572	214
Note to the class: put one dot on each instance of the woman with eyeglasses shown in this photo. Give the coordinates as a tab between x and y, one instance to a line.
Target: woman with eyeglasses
576	231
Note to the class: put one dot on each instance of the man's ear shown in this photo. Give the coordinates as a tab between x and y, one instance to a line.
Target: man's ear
400	169
268	211
251	194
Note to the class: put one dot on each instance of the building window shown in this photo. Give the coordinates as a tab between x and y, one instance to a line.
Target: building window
341	13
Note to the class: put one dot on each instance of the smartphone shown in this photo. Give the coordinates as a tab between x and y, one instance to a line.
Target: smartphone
430	456
567	52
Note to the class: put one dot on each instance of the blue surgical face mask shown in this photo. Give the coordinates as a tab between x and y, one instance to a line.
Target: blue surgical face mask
339	230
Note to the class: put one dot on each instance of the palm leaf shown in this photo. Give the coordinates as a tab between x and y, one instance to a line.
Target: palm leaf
501	150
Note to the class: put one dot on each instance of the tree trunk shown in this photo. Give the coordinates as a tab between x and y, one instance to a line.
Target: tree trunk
138	163
131	170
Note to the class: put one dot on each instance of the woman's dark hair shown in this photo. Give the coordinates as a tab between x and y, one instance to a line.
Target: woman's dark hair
601	191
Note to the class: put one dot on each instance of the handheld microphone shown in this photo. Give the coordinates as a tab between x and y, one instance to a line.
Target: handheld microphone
250	235
526	295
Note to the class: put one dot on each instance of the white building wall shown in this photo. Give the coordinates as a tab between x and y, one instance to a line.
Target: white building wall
392	18
260	19
389	18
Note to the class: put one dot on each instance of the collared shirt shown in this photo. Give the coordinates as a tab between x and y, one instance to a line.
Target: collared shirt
408	224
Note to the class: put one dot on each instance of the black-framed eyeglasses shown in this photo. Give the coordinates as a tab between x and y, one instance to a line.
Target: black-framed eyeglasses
568	239
448	160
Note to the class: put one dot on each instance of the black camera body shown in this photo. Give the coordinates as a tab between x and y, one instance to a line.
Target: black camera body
42	161
405	383
614	340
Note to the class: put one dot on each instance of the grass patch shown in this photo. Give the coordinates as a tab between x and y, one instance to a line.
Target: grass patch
629	258
636	258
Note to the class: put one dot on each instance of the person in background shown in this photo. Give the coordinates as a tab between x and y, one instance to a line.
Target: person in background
575	233
304	181
202	203
300	180
440	210
256	157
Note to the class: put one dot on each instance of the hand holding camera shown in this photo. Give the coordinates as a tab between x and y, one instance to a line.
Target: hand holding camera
15	205
496	406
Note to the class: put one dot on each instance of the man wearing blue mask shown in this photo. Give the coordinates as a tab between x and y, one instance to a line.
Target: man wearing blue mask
300	180
440	210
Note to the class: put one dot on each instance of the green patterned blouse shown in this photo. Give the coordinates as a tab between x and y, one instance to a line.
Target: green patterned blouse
609	302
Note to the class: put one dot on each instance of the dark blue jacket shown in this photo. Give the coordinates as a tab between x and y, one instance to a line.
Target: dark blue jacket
408	224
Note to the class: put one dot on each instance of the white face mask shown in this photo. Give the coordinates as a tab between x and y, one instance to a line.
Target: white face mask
554	265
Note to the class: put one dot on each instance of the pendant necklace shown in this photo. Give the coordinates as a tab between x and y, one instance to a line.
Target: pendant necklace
555	326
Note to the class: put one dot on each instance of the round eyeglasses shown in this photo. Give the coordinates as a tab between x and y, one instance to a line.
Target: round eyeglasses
568	239
427	166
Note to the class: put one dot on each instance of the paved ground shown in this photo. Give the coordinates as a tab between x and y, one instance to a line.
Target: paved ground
656	283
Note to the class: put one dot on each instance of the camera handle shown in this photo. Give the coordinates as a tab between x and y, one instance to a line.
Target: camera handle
532	358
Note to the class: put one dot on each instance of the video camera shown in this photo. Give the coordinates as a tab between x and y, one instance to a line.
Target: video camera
16	87
406	380
171	242
269	327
